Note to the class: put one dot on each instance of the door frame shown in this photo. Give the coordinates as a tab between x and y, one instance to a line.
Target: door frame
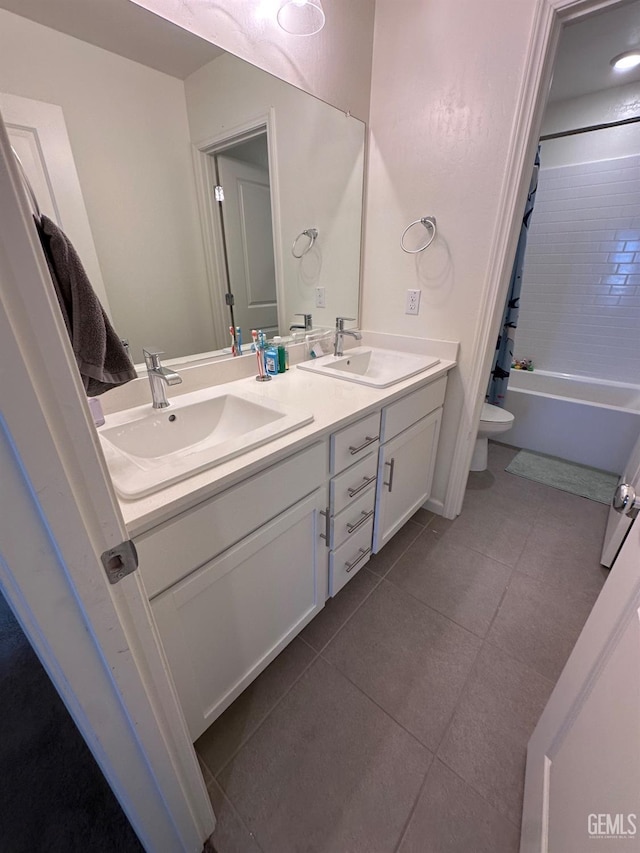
97	642
212	232
549	18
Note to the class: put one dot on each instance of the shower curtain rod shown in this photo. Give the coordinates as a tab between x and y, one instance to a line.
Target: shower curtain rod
589	128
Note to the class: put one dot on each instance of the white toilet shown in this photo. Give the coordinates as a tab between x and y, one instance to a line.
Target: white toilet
493	421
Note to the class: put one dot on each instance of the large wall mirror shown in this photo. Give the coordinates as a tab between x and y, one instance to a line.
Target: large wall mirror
150	144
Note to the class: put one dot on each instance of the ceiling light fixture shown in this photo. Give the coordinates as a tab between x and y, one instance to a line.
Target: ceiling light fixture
625	61
301	17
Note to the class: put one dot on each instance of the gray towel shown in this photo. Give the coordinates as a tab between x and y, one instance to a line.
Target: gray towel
102	360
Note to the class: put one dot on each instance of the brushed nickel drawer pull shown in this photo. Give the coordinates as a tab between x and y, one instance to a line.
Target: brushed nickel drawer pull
366	481
363	553
351	528
391	467
368	440
327	525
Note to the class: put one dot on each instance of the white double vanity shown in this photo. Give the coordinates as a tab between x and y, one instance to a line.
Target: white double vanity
237	557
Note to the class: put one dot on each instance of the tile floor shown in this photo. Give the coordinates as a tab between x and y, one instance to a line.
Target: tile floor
398	719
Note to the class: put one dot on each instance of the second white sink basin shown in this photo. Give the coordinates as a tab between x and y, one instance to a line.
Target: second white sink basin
371	366
147	449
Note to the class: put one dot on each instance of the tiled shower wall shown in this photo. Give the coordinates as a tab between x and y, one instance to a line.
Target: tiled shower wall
580	304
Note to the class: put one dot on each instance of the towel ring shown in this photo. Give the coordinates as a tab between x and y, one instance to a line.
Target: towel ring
312	234
428	222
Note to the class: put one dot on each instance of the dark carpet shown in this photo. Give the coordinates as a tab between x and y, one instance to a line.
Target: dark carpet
53	795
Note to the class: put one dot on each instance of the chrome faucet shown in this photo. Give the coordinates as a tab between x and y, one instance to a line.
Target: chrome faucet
308	324
159	376
341	332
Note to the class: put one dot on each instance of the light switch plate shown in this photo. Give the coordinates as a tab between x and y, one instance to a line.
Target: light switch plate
320	298
413	302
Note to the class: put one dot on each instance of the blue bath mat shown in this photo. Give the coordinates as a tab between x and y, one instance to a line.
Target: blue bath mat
568	476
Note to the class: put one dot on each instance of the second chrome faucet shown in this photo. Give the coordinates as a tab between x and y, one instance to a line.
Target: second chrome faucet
159	378
341	332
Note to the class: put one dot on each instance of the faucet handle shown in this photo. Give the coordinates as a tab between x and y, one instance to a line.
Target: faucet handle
152	357
308	322
340	321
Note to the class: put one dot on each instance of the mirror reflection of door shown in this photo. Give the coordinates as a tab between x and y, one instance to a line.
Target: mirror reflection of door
247	229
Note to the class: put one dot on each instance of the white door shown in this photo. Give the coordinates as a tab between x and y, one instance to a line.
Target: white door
583	761
248	237
38	135
622	513
58	514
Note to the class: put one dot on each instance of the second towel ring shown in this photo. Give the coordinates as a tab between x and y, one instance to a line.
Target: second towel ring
312	234
428	222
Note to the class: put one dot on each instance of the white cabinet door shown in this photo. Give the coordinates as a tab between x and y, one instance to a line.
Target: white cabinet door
405	475
225	623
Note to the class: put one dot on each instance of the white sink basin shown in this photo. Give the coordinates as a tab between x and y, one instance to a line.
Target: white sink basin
371	366
147	449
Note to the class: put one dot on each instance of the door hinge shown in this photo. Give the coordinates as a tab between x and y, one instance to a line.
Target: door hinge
229	299
218	193
120	561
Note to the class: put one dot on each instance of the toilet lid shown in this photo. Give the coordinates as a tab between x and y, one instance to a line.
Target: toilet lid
495	415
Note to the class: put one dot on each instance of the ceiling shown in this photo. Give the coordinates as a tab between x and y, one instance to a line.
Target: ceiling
586	49
123	28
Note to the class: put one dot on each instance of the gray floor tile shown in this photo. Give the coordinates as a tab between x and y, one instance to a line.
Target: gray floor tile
327	771
454	580
565	557
409	659
574	513
539	624
422	516
231	834
487	739
451	818
338	609
216	746
381	562
492	526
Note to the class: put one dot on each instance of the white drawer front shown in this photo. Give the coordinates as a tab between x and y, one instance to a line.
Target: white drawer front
348	486
412	408
173	550
347	560
355	441
356	515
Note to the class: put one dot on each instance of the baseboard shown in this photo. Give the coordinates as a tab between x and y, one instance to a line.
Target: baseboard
434	505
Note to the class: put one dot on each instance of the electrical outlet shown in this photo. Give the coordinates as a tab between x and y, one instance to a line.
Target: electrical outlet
321	301
413	302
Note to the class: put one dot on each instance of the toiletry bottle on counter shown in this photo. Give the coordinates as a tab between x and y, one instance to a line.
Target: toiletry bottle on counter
282	354
271	360
95	407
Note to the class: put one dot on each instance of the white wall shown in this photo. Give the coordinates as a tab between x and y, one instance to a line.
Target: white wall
580	304
335	65
445	81
606	106
130	138
319	171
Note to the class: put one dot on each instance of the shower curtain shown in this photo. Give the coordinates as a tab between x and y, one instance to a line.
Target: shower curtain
505	345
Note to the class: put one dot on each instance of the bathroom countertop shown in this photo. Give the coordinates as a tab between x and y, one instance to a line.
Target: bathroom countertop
333	403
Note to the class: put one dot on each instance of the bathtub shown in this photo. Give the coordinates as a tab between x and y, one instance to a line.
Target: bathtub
590	421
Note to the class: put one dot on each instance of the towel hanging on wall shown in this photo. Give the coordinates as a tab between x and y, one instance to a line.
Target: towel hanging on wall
101	358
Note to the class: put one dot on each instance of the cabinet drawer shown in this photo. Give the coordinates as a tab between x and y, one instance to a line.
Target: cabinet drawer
349	485
356	515
347	560
173	550
355	441
410	409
